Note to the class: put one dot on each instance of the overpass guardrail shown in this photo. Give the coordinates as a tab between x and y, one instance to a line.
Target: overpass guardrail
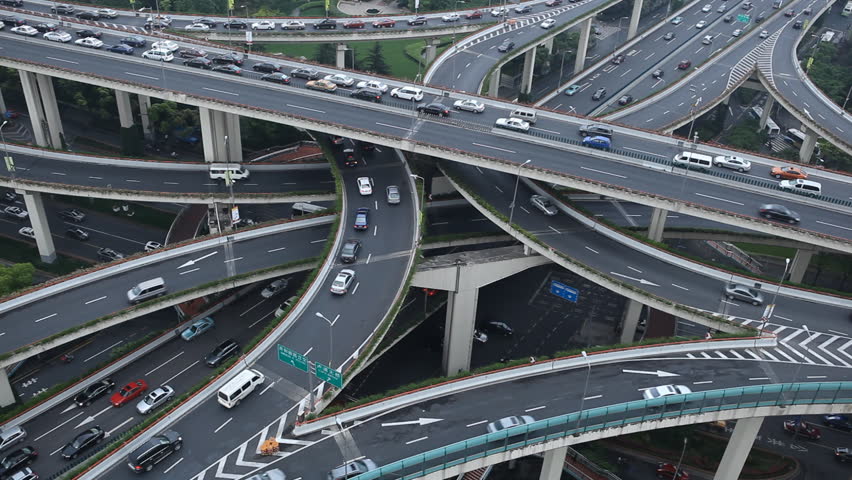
737	402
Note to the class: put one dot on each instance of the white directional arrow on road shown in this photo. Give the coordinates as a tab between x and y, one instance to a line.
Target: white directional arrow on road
658	373
192	262
640	280
421	421
93	417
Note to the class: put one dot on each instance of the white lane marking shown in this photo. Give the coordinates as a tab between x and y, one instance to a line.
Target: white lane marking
481	219
646	153
678	286
318	241
222	91
190	271
393	126
833	225
233	260
555	230
368	259
634	269
416	440
498	189
719	199
440	223
605	173
104	350
816	376
355	289
548	131
93	178
185	369
96	300
703	382
593	397
304	108
276	249
45	318
173	465
171	183
267	388
839	333
223	425
495	148
109	432
56	427
783	318
164	364
63	60
375	230
592	250
535	408
58	173
468	425
140	75
758	378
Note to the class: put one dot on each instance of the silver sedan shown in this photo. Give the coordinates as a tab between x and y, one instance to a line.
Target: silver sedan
469	105
738	291
155	399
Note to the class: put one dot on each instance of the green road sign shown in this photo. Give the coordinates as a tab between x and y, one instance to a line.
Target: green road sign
292	358
743	18
328	374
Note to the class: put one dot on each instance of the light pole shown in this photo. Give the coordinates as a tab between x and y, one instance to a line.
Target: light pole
585	388
680	460
515	194
330	338
562	67
771	307
10	164
422	198
843	110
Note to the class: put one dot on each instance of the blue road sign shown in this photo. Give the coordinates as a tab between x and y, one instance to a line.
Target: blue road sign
561	290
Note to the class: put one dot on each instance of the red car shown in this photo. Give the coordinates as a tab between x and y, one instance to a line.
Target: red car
684	64
804	429
354	24
386	23
788	173
667	470
128	393
473	15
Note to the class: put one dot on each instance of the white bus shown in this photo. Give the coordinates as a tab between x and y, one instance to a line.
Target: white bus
797	138
771	127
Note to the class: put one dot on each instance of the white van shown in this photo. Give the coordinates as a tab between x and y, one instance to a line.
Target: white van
239	387
524	114
302	208
220	170
805	187
147	289
695	161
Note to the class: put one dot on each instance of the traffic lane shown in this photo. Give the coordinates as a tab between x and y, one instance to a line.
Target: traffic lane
647	273
457	219
177	363
79	305
393	123
466	414
626	214
672	185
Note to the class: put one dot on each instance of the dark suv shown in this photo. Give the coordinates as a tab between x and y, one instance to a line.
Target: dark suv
349	251
326	24
88	15
12	3
12	21
224	351
154	451
62	9
93	392
594	129
228	58
370	94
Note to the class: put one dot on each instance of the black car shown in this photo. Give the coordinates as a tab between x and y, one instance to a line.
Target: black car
83	441
276	77
62	9
798	25
154	451
77	233
498	328
189	52
266	67
199	62
349	251
506	46
88	15
229	69
205	21
17	460
599	94
306	73
224	351
370	94
45	27
326	24
93	392
12	21
434	109
728	19
73	214
840	422
109	255
349	158
134	41
235	25
86	33
121	48
12	3
779	212
230	58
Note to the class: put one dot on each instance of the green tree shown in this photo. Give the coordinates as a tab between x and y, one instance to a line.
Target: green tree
326	54
15	277
168	116
374	61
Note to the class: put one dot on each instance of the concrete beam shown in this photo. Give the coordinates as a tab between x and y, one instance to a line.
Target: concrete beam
340	60
144	105
738	448
234	148
529	67
630	321
800	264
432	49
634	19
767	109
482	267
494	83
658	224
34	108
215	127
208	136
583	45
458	330
38	220
554	462
125	111
51	110
7	395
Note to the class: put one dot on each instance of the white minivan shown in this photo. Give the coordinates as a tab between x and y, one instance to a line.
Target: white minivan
220	171
239	387
695	161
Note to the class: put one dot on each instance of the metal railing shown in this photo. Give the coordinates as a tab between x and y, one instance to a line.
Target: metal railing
613	416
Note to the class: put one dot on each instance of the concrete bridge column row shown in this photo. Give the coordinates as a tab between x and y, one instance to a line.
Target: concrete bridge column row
38	219
220	136
43	109
583	45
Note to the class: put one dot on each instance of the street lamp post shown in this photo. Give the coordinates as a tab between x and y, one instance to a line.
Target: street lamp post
770	309
422	198
585	388
330	338
680	460
843	110
515	194
562	67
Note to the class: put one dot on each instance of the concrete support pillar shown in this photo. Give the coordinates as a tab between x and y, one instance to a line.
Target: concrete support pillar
51	110
215	126
234	148
208	136
767	110
634	19
658	224
458	330
2	103
34	108
726	101
738	448
144	105
340	61
548	44
554	461
800	265
527	75
494	84
432	49
7	395
583	45
807	150
38	219
125	111
630	321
